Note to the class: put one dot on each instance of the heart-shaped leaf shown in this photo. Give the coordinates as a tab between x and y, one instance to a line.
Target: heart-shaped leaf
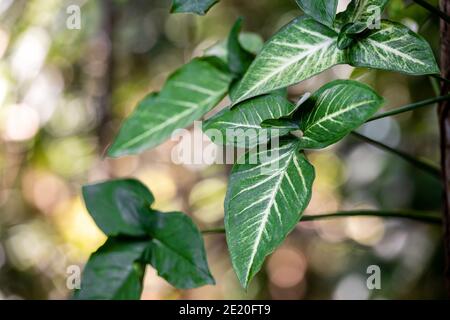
264	202
197	6
113	273
177	251
334	111
241	126
300	50
187	95
118	206
324	11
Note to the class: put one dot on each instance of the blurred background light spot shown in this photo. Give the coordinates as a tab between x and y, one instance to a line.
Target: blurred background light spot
62	152
44	189
78	228
29	245
165	190
25	65
4	40
351	287
286	267
365	230
364	164
206	200
20	122
44	93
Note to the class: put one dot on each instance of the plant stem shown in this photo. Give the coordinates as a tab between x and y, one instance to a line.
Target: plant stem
427	217
430	168
433	9
410	107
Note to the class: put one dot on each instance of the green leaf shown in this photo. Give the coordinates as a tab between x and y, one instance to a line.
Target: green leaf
362	13
250	41
335	110
192	6
286	125
241	126
187	95
177	251
300	50
396	48
112	272
239	59
118	206
264	202
324	11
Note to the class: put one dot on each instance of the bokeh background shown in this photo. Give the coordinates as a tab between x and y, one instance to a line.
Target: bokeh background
64	93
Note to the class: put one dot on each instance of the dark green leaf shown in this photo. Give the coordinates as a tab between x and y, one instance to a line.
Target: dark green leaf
187	95
177	251
324	11
286	125
192	6
264	202
118	206
241	126
335	110
239	59
113	273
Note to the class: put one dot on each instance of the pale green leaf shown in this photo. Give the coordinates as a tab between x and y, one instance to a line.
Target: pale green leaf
300	50
264	202
192	6
334	111
241	126
188	94
396	48
324	11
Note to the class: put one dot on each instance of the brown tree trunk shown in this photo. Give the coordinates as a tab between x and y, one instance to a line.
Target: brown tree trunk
444	123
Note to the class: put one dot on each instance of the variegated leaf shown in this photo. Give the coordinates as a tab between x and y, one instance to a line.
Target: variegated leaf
264	202
300	50
396	48
241	126
334	111
324	11
362	13
187	95
192	6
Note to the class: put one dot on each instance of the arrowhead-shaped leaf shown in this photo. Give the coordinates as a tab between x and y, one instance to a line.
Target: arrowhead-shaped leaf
334	111
300	50
118	206
324	11
396	48
177	251
187	95
192	6
112	272
241	126
264	202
